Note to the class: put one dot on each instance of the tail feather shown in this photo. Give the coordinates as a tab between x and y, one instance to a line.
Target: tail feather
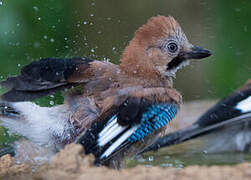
174	138
42	125
196	130
7	111
7	150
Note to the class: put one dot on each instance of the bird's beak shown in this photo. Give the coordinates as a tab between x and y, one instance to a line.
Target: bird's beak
195	52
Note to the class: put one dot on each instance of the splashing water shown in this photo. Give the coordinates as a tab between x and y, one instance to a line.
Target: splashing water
35	8
52	40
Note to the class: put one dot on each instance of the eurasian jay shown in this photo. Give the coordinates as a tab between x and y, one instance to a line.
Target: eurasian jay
225	127
112	110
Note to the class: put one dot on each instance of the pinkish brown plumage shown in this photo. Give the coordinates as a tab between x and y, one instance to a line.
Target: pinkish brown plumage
118	109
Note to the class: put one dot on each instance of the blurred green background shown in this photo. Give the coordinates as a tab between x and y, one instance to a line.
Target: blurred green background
30	30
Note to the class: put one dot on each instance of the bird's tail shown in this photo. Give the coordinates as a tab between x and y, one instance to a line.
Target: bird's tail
7	150
196	130
7	111
174	138
11	117
42	125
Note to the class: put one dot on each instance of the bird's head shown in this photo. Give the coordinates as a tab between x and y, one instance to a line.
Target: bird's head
160	47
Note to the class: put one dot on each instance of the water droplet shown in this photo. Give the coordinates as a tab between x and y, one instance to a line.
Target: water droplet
45	37
52	40
148	165
167	157
36	44
151	158
66	47
66	38
91	15
85	22
92	50
1	3
53	27
180	166
35	8
93	3
245	28
78	25
141	160
237	9
167	165
205	151
18	65
18	25
52	103
39	18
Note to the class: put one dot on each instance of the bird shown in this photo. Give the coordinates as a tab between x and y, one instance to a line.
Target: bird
225	127
112	110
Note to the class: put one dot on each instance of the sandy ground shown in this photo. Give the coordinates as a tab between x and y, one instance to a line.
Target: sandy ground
71	163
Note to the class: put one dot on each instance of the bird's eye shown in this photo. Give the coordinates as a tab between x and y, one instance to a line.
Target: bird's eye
172	47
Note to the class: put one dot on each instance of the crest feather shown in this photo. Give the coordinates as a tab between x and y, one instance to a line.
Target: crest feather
158	27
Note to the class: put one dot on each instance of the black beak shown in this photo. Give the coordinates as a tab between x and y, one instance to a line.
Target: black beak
196	52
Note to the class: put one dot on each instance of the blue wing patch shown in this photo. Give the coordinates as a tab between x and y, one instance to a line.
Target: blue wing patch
154	118
105	138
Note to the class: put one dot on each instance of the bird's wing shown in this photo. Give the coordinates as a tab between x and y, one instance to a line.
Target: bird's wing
230	111
126	124
47	76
